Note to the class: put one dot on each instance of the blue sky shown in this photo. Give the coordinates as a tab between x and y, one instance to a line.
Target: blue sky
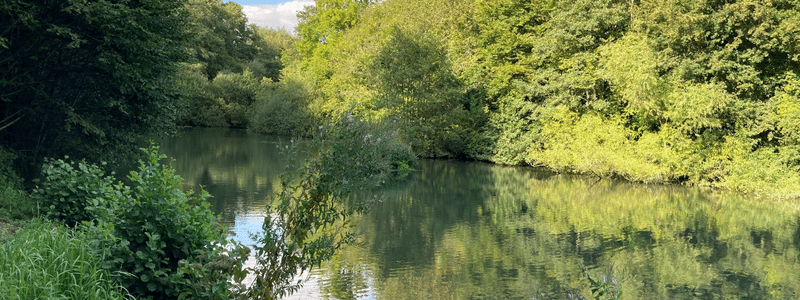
274	14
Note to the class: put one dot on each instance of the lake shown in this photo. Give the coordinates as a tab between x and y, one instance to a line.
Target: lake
471	230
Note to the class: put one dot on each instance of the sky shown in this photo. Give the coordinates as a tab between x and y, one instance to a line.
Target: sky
259	2
275	14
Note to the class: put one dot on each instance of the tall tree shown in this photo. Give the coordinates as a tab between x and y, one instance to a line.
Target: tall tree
271	44
86	77
222	40
320	28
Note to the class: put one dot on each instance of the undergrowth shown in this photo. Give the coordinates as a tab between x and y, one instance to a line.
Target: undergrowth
45	260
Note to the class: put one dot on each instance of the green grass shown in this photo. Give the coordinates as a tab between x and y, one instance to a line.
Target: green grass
44	260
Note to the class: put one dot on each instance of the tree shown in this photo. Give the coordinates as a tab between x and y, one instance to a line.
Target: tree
308	218
320	28
271	44
222	40
86	77
414	80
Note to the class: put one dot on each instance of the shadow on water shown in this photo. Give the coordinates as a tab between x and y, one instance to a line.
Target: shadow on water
458	230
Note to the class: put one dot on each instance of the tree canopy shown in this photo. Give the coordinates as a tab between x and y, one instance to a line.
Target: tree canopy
83	77
652	90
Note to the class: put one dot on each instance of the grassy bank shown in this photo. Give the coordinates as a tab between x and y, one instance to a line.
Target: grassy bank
80	235
45	260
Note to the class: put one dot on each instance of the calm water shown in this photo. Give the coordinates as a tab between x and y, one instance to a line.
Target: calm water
458	230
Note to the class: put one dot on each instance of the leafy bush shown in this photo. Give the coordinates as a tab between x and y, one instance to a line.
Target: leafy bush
222	102
167	241
280	109
235	92
44	260
197	106
75	192
166	238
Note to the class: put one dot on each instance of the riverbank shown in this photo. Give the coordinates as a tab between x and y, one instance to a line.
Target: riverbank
40	259
79	234
455	229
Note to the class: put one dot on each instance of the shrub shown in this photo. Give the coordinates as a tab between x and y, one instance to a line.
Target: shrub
365	155
235	92
75	192
167	239
197	105
222	102
280	109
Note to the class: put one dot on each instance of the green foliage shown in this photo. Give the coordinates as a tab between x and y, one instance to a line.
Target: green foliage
604	287
44	260
87	78
221	39
271	43
546	61
281	108
777	158
320	29
166	242
385	66
655	91
362	155
606	148
414	81
742	44
786	111
631	66
308	223
167	239
234	93
234	62
197	107
14	200
223	101
76	192
218	276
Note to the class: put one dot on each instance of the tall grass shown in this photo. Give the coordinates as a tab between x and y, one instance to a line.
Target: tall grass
43	260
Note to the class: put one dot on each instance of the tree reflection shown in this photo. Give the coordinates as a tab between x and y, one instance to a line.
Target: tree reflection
238	169
475	231
458	230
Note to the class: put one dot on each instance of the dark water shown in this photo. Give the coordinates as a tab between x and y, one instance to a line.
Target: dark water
458	230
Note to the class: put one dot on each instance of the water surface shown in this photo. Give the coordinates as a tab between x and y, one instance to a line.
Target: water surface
468	230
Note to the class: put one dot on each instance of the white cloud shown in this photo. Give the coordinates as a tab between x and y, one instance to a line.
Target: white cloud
278	16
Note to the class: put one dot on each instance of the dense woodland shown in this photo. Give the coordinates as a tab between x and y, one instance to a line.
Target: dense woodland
656	91
701	92
698	92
